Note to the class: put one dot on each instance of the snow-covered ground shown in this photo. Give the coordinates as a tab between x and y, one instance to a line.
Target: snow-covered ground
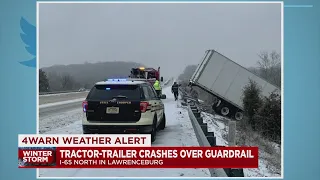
178	132
64	123
54	98
61	103
216	125
219	126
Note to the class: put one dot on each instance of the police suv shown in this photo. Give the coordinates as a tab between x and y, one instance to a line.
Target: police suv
123	106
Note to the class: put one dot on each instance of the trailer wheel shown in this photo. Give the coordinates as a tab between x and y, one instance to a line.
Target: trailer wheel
238	116
225	111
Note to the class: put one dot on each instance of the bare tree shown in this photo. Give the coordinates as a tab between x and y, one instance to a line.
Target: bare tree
54	81
67	82
187	73
270	67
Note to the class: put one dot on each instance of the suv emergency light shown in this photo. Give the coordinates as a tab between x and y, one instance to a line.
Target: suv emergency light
84	106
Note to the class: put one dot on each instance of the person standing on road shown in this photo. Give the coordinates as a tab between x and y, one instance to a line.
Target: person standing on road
157	87
175	90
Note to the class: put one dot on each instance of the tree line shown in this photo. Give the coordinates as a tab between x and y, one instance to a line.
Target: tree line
55	82
263	114
76	76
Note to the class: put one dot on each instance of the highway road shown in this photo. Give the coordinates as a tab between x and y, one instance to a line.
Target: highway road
58	110
65	118
52	98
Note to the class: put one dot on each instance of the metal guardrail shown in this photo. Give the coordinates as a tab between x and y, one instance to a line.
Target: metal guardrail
58	92
167	81
205	138
61	92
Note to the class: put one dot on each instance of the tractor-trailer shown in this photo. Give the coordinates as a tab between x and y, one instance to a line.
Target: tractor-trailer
225	79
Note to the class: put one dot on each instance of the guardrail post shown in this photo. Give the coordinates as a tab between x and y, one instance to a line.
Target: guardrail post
197	114
228	171
232	133
236	173
204	128
210	133
200	120
232	142
211	138
194	110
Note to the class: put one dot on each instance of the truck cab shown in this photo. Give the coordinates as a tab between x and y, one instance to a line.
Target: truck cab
146	73
150	74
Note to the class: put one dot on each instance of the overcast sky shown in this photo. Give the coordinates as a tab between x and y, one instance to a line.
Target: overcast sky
167	35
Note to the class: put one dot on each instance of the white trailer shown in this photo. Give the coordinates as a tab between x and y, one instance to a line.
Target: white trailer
225	79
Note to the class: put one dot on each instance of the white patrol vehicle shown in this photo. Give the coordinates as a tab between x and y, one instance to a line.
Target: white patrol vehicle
123	106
